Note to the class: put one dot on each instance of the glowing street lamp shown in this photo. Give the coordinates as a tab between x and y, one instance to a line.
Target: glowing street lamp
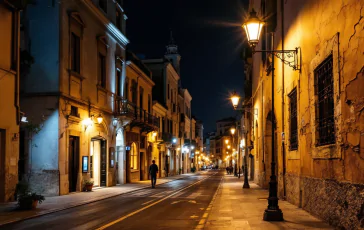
99	119
253	28
235	100
232	131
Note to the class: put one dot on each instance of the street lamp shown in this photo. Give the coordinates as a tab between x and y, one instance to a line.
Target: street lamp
232	131
253	27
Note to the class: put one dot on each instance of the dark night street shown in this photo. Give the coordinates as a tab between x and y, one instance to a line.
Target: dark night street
178	203
140	114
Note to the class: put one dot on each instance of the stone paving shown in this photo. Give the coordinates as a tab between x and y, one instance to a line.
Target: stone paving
9	212
237	208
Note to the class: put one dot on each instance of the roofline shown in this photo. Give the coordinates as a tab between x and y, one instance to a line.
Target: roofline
134	67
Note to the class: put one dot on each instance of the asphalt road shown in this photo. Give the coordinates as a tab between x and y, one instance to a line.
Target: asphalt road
179	204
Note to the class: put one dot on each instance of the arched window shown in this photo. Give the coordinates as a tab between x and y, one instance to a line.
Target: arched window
133	157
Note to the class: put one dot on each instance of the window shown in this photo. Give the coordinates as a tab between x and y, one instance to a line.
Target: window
118	20
102	70
133	157
293	129
141	97
134	95
168	91
14	41
126	88
101	60
74	111
118	82
75	53
149	104
103	5
324	89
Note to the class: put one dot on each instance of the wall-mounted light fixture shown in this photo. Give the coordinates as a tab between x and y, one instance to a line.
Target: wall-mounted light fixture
99	119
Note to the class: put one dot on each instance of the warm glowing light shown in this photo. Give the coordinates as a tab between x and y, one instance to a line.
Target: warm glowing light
232	131
178	149
87	122
155	134
226	141
99	119
253	27
228	146
242	143
235	100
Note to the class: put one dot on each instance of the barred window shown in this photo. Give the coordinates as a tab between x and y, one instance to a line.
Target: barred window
293	128
324	88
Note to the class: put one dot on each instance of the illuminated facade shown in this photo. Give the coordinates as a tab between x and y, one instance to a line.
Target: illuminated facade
9	100
318	111
71	94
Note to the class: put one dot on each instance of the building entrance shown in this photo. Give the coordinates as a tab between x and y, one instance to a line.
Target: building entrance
2	164
98	162
73	162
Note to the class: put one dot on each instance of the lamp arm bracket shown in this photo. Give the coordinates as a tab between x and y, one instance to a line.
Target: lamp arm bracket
291	58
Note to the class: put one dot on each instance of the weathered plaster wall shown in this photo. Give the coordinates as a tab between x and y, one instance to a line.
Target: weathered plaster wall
326	181
8	115
42	147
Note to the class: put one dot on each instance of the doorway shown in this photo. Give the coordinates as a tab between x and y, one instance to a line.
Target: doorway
73	162
141	161
98	162
2	164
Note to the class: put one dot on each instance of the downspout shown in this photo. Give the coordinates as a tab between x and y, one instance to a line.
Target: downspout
283	143
16	96
60	80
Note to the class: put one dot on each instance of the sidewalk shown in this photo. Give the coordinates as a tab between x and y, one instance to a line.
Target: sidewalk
237	208
9	213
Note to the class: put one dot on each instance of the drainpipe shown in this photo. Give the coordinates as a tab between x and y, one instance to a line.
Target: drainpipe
17	75
282	94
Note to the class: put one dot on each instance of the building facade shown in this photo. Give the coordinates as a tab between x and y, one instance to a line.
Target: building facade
317	120
71	94
166	77
10	114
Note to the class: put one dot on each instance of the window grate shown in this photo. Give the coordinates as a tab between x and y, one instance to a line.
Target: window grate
293	128
325	121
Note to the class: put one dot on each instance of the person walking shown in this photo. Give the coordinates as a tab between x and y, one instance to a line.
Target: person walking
153	170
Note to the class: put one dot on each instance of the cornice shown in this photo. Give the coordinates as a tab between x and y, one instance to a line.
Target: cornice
135	68
106	22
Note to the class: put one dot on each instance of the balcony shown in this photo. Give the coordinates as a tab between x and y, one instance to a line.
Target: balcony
131	114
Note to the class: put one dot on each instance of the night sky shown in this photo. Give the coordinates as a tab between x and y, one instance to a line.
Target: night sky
209	37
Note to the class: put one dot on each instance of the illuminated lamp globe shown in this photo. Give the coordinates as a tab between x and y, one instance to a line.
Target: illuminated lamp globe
253	28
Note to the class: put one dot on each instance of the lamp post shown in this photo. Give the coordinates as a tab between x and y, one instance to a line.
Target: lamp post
235	101
232	131
253	27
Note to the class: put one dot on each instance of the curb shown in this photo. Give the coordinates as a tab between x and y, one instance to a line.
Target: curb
77	205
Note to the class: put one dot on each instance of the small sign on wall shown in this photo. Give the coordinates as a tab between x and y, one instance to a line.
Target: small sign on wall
85	164
127	148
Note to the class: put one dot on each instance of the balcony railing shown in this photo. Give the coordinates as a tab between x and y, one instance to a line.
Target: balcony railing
124	107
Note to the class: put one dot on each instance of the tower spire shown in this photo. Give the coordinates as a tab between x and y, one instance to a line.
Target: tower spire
172	48
171	40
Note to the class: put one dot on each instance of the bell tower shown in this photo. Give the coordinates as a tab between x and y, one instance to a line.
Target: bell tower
172	54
